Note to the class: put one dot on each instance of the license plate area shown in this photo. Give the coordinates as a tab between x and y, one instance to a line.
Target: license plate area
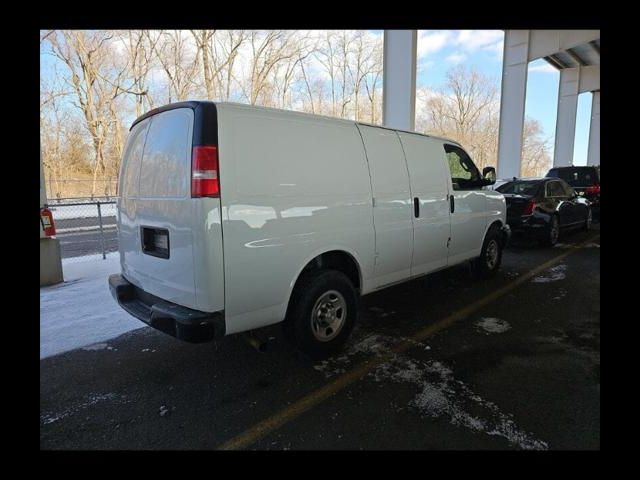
155	241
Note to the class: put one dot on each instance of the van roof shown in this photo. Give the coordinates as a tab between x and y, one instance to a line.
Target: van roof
194	103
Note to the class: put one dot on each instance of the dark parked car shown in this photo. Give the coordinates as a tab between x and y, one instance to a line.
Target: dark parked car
543	207
584	180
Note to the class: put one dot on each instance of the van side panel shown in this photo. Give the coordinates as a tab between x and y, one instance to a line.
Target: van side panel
392	209
429	180
292	187
208	262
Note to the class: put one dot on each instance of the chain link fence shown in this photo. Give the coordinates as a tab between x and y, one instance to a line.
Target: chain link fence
85	227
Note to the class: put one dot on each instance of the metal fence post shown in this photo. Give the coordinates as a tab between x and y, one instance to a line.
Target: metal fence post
104	255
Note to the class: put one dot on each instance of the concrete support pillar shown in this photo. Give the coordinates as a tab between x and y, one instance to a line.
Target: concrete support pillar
593	156
50	259
566	119
512	101
43	191
399	79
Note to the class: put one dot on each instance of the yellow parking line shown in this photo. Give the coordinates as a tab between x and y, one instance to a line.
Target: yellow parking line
309	401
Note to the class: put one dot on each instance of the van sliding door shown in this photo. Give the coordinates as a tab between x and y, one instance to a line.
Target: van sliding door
392	205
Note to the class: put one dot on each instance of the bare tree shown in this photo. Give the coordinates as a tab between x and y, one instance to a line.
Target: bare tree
535	150
267	50
140	45
466	109
86	56
178	63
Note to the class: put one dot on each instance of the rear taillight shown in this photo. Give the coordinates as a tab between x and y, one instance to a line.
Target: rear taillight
529	208
204	172
593	190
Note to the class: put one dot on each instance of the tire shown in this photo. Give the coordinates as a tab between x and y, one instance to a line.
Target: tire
551	238
587	223
488	263
322	313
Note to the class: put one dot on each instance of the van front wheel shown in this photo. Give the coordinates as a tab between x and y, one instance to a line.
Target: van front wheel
322	313
490	257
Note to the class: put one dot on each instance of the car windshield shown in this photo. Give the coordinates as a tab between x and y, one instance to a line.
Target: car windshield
520	188
576	177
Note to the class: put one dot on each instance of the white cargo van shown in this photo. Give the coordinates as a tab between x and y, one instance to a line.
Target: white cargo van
233	217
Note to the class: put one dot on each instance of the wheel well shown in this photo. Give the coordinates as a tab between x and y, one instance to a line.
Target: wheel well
497	224
336	260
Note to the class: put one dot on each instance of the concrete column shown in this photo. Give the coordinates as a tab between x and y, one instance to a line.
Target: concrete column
593	156
50	259
43	191
512	100
566	119
399	79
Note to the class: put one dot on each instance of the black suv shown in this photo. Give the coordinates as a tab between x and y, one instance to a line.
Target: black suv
584	180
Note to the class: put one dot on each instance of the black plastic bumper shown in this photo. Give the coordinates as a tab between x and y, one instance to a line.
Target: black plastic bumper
175	320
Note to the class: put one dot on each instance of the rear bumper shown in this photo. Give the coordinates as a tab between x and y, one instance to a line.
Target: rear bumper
175	320
535	230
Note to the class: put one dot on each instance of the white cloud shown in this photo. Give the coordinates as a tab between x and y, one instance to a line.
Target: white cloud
456	58
543	68
472	40
424	65
497	48
432	41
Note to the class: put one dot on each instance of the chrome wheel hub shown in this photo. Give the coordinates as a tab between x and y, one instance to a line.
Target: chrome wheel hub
492	254
328	315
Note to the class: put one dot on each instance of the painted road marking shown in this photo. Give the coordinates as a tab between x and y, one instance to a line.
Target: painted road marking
316	397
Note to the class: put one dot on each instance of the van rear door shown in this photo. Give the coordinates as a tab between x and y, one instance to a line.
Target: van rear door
167	238
393	208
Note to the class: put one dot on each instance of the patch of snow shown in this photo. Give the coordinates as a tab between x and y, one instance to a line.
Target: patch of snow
85	261
561	294
442	395
81	310
90	210
371	344
97	346
552	275
92	399
493	325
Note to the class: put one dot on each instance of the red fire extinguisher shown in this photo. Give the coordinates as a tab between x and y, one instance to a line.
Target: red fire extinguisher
46	219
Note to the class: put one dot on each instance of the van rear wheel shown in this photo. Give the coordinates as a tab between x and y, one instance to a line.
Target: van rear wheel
322	312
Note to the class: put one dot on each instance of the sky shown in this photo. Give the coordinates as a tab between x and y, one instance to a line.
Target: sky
439	50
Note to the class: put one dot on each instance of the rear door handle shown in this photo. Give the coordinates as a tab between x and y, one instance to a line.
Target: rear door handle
416	207
452	204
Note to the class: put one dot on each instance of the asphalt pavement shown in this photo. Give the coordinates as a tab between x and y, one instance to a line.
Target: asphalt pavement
444	362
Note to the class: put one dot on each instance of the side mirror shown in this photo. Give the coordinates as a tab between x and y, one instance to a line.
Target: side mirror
489	174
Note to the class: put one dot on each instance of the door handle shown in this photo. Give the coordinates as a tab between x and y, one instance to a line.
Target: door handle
416	207
452	204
